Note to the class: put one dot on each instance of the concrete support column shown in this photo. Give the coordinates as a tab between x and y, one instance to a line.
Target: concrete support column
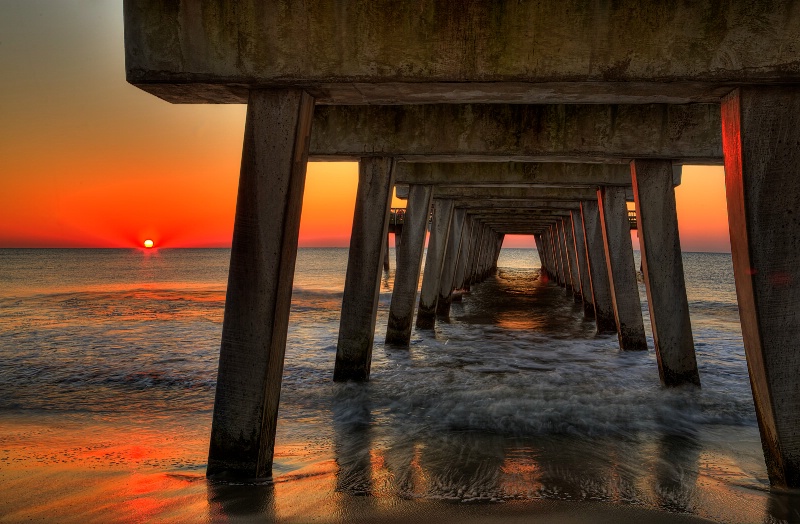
537	239
362	282
447	281
477	245
463	255
263	254
598	267
621	268
562	243
559	257
583	264
662	265
434	263
573	260
551	254
406	277
761	144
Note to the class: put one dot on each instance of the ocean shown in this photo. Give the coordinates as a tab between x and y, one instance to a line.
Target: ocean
108	365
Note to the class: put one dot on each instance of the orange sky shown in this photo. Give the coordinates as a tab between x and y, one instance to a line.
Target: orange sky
88	160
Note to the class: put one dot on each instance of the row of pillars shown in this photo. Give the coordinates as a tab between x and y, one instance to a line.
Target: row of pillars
589	252
761	139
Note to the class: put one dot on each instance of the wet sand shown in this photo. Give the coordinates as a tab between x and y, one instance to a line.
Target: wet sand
94	471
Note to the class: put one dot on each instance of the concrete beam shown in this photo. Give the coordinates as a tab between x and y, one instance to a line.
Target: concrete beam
386	52
504	204
514	133
569	194
510	173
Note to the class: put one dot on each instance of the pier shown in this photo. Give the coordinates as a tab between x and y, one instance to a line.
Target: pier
535	118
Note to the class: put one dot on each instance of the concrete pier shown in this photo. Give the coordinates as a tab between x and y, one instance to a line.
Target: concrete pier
434	263
761	133
368	246
561	280
662	266
562	246
621	268
406	277
270	198
598	268
450	265
463	257
583	264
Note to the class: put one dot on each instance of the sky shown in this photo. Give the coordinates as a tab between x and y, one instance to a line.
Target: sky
87	160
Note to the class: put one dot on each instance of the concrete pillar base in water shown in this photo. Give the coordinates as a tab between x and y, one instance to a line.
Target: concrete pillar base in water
434	263
621	268
761	144
368	244
662	266
406	279
450	264
263	254
598	268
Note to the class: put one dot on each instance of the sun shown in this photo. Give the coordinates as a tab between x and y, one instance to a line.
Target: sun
148	243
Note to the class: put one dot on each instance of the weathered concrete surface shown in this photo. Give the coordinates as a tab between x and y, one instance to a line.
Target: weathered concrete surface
509	173
434	263
362	282
392	52
562	246
761	131
506	133
567	194
583	264
450	265
511	204
406	277
621	269
574	269
598	268
662	266
259	293
561	271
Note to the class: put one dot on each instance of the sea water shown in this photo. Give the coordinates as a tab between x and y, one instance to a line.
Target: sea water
108	364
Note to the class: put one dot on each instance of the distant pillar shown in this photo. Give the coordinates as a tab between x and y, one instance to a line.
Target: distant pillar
537	239
583	264
434	263
621	268
406	277
598	268
562	242
662	265
263	254
761	144
558	256
362	282
386	266
464	255
573	260
450	266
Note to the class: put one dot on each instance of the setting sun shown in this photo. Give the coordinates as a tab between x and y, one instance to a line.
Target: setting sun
148	243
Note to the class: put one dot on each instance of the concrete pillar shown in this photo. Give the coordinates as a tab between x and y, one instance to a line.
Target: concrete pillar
621	268
598	268
583	263
559	258
434	263
551	250
475	253
406	277
562	244
450	266
463	255
386	266
537	239
268	205
362	282
573	260
761	144
662	266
